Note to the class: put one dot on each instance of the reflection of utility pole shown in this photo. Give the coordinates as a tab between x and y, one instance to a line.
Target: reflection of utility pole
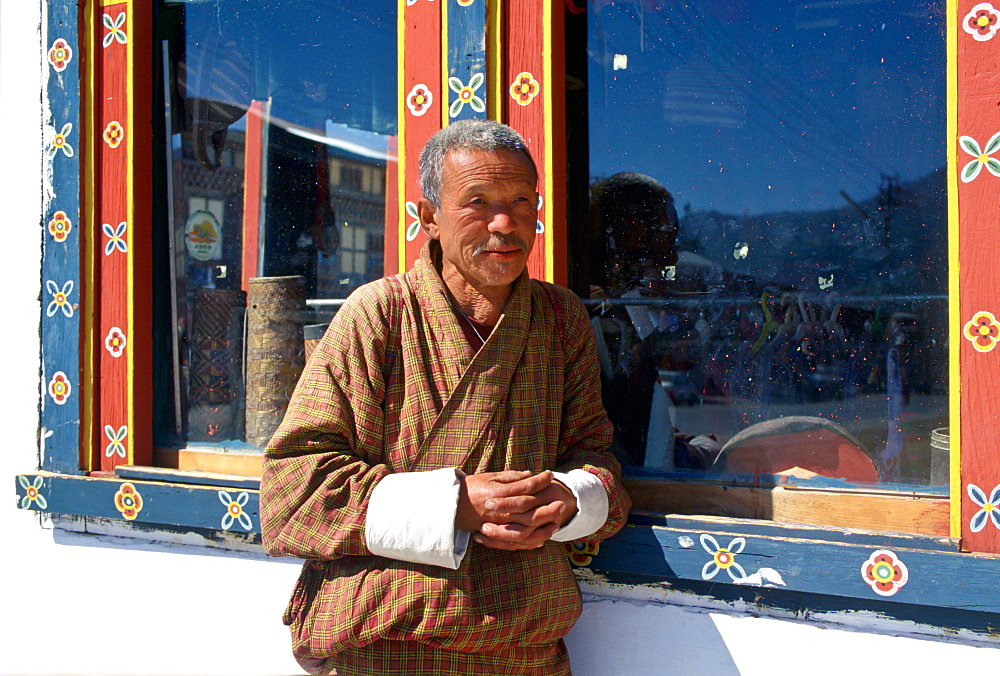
857	207
888	200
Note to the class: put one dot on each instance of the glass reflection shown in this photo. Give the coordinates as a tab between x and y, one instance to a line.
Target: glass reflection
277	120
767	243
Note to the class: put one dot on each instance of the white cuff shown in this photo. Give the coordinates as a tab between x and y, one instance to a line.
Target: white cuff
591	504
411	517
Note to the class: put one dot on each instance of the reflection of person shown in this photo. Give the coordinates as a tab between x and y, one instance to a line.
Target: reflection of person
459	399
638	222
636	215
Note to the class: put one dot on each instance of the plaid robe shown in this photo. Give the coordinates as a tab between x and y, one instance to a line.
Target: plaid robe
395	387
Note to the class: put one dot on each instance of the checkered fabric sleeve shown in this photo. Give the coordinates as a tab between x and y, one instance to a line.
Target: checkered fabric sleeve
586	430
326	456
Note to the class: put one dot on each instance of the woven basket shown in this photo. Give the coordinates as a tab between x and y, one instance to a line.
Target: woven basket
215	396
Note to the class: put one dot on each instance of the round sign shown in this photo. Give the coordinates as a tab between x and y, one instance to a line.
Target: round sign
203	236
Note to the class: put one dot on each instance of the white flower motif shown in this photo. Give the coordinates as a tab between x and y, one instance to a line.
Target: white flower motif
115	26
32	492
60	298
413	229
467	94
116	238
539	226
971	146
58	141
115	447
723	558
234	510
990	509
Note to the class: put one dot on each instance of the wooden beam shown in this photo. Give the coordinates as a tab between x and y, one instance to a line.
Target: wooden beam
841	508
213	460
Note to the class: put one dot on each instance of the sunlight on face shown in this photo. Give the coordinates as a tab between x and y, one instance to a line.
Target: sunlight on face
486	222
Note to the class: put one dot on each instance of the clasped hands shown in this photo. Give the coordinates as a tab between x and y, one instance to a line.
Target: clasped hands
513	509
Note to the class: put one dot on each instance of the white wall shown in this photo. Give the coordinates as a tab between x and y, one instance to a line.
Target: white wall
621	636
74	604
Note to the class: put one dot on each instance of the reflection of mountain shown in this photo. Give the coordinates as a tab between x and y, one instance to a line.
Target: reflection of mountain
892	242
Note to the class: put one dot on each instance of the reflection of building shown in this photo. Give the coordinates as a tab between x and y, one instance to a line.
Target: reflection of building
220	192
357	197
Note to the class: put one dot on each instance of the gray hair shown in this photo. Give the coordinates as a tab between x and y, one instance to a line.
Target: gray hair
487	135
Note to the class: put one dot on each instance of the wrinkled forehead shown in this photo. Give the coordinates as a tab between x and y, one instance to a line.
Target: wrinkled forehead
487	165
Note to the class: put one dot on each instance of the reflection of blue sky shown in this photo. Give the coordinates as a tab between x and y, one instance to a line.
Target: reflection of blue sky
307	55
751	107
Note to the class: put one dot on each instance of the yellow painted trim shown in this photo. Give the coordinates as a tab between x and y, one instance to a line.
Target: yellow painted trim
445	89
130	215
495	60
106	3
88	224
954	306
401	135
548	91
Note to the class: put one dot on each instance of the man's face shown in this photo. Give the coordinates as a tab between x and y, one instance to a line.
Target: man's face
486	222
650	232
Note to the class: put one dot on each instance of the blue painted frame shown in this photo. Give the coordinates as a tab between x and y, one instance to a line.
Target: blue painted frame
190	506
466	59
60	329
801	569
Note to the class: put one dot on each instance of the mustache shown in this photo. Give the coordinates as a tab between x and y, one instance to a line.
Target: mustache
501	241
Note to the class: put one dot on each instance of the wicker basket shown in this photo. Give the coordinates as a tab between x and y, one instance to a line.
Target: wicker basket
215	396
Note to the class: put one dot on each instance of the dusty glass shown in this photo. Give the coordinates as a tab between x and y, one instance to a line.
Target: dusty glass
767	245
273	129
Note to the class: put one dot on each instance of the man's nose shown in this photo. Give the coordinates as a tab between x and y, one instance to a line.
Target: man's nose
501	219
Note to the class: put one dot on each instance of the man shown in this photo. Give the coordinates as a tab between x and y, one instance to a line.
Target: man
634	219
414	467
637	220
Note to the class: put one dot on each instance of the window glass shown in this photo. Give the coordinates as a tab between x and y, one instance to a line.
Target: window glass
766	255
275	120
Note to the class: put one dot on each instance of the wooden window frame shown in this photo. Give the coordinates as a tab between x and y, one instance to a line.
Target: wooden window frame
89	393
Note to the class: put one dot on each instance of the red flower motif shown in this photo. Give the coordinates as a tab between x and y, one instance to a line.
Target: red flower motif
983	331
60	226
115	341
60	55
419	99
884	572
59	388
524	88
114	133
982	21
128	501
581	553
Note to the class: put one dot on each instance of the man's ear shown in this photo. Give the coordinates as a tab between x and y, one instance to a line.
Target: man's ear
428	218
